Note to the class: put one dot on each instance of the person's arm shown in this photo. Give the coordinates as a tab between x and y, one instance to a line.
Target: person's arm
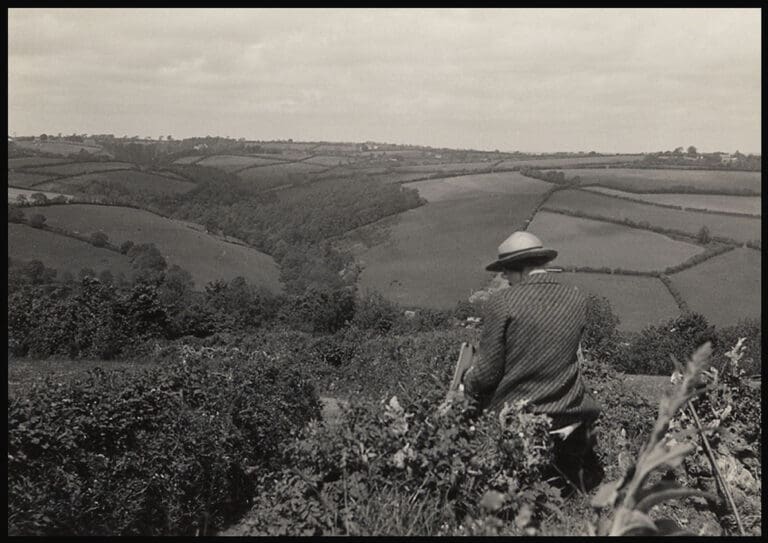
481	380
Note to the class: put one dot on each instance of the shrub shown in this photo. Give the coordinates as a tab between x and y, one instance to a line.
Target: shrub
36	221
126	246
163	451
99	239
377	314
601	337
15	214
434	469
651	351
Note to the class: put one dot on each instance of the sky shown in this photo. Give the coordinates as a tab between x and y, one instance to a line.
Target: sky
532	80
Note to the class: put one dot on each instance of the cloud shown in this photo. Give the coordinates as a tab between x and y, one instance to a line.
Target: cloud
568	79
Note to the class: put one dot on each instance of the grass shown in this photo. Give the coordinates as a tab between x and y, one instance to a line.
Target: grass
187	159
586	242
447	167
205	256
271	176
568	161
26	180
655	180
134	181
327	160
738	228
13	193
61	252
483	185
435	255
60	147
235	162
638	301
724	289
79	168
706	202
32	161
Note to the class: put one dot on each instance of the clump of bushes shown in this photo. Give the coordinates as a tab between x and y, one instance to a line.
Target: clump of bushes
651	351
161	451
406	469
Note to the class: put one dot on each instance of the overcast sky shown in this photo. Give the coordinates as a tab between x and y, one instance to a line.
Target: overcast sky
531	80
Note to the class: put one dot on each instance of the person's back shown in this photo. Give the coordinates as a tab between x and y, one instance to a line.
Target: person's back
528	350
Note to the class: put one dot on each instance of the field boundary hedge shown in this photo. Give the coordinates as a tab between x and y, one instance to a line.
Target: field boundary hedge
669	206
644	225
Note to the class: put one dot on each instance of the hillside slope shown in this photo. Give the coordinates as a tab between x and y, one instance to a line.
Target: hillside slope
205	256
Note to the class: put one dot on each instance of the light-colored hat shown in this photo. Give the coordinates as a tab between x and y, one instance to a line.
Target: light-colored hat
519	249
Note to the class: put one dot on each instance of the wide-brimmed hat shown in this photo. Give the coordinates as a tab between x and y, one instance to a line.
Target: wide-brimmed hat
521	249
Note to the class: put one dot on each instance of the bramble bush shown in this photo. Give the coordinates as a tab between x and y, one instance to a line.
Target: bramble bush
161	451
651	350
397	470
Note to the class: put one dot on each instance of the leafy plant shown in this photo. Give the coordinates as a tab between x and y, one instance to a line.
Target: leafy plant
630	498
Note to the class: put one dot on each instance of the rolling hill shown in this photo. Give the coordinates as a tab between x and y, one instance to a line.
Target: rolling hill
205	256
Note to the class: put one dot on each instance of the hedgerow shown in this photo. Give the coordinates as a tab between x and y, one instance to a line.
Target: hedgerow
163	451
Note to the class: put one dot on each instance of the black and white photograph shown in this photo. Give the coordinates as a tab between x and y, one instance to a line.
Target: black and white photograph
384	271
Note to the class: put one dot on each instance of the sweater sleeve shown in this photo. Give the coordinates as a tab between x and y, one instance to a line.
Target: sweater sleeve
481	380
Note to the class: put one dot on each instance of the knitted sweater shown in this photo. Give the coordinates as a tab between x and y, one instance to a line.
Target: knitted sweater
528	351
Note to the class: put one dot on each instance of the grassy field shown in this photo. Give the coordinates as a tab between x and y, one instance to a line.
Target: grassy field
187	159
327	161
435	255
13	193
79	168
638	301
61	252
568	161
279	174
669	180
134	181
205	256
584	242
447	167
235	162
706	202
60	147
472	186
26	180
32	161
738	228
724	289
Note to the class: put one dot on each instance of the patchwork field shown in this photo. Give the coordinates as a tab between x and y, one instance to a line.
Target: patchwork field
13	194
32	161
205	256
61	252
26	180
669	180
79	168
188	159
132	180
60	148
724	289
391	177
708	202
271	176
739	228
447	167
229	163
638	301
569	161
435	255
327	160
585	242
469	186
